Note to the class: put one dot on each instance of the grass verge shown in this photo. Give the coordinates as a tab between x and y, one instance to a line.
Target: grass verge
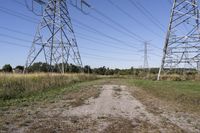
183	93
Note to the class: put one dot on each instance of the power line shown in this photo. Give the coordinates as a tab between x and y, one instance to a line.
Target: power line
113	20
34	18
20	3
103	34
150	14
113	52
112	39
14	44
78	22
110	25
22	32
92	30
11	43
106	57
15	31
106	60
137	37
102	40
8	36
31	35
103	43
108	44
146	13
157	47
156	55
98	56
88	27
107	24
27	34
18	14
130	16
133	18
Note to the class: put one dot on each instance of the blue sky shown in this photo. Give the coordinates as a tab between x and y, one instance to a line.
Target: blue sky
101	51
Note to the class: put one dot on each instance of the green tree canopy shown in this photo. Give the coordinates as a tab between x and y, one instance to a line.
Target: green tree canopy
7	68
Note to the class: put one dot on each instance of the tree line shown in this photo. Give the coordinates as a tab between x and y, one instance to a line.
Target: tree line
71	68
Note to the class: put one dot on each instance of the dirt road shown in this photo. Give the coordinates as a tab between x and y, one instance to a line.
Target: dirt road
114	110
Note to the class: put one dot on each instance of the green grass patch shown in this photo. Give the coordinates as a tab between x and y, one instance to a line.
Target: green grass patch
185	93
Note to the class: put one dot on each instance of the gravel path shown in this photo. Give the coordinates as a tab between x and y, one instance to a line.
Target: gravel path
114	101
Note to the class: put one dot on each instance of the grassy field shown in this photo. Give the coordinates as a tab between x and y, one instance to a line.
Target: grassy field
27	100
184	93
16	88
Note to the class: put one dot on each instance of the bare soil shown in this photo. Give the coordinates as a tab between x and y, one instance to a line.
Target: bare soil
100	109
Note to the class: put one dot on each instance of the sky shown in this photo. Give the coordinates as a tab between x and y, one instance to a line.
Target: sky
121	20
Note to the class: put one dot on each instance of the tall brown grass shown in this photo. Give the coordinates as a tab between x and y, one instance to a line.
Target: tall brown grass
19	85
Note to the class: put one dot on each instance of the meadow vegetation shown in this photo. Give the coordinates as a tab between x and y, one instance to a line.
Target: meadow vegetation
180	89
183	93
15	86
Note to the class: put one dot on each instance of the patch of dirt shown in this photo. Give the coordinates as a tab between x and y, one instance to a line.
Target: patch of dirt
121	125
107	104
78	98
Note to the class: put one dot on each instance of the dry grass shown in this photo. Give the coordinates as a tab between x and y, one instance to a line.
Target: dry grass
168	77
14	86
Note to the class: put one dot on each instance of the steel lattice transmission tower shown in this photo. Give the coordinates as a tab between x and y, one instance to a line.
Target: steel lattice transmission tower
54	38
182	44
146	64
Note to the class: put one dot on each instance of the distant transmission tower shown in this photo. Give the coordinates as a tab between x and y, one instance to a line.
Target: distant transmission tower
182	44
55	37
146	64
